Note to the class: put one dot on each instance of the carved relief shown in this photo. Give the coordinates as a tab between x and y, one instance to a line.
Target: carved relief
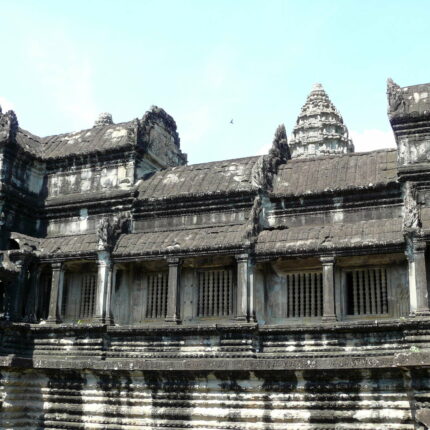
267	165
8	125
109	230
252	228
411	220
396	101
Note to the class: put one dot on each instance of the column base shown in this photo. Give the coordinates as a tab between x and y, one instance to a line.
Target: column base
241	319
100	320
329	318
172	320
420	313
53	321
109	321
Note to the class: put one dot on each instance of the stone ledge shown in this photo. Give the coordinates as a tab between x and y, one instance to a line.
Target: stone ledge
400	360
417	322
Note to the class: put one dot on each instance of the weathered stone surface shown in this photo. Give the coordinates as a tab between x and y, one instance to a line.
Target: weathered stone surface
282	291
319	129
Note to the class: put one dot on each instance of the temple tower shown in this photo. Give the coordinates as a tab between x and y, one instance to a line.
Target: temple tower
319	128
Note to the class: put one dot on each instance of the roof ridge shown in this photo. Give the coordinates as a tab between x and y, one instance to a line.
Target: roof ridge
334	156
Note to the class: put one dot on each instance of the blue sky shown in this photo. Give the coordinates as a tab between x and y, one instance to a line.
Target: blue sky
207	62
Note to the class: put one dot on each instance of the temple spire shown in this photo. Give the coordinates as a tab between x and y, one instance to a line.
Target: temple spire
319	128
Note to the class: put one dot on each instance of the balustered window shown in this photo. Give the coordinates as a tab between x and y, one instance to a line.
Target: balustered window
367	292
44	294
304	295
156	306
215	293
88	296
79	296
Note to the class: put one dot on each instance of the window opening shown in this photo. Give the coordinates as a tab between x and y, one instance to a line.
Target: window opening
215	293
366	292
304	295
88	297
157	295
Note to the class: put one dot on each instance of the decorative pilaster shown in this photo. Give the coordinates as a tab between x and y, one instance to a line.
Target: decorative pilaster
242	287
18	290
173	311
418	292
329	311
56	293
32	306
104	280
252	285
108	313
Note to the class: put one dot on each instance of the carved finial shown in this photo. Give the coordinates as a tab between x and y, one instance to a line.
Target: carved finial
104	118
280	133
280	147
109	230
253	224
8	126
317	87
411	219
396	101
13	121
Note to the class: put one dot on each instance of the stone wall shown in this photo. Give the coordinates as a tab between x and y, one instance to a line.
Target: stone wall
83	180
263	400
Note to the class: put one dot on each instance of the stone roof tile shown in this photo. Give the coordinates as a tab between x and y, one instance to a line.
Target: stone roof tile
90	140
218	177
335	173
171	242
69	245
326	237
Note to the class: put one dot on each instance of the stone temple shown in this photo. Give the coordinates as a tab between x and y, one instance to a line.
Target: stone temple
275	292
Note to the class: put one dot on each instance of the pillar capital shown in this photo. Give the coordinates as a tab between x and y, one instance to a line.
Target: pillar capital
173	261
327	260
418	245
56	266
104	258
241	258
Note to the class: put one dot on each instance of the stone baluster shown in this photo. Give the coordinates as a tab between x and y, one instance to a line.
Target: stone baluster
173	312
56	293
242	287
104	281
329	312
418	292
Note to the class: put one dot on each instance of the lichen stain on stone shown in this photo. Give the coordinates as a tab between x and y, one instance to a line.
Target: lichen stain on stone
171	178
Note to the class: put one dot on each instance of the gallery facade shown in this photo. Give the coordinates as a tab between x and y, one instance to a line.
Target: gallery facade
284	291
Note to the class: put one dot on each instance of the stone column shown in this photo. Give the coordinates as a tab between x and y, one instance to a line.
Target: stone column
252	285
242	287
329	312
19	286
32	306
173	290
108	315
104	279
418	293
56	293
